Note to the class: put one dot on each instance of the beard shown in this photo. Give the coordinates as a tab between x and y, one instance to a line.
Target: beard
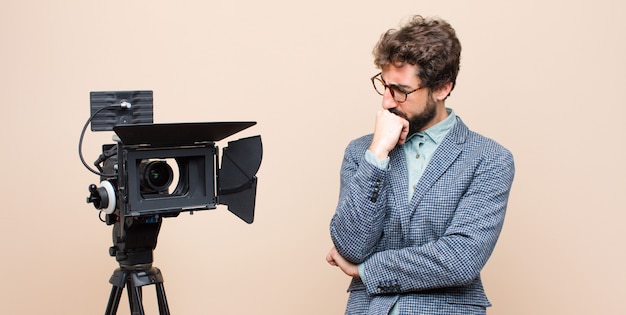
417	122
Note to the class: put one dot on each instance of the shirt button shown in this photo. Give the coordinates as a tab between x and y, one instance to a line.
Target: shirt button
417	156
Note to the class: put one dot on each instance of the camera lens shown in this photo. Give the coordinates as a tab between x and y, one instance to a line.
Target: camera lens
156	176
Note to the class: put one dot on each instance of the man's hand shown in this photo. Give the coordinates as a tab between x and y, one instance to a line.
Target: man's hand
390	130
335	259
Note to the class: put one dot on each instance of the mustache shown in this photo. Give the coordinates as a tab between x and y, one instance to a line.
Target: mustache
398	113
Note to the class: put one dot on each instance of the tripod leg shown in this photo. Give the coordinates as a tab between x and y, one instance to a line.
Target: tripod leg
114	300
161	299
118	280
135	298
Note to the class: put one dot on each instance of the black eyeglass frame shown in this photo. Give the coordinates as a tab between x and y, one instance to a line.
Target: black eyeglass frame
392	88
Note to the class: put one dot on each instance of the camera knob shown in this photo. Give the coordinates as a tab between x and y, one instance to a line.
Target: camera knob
103	197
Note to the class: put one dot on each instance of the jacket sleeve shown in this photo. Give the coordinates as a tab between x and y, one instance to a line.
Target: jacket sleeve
457	257
357	224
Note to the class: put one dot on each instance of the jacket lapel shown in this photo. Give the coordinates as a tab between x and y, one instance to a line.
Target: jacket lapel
447	152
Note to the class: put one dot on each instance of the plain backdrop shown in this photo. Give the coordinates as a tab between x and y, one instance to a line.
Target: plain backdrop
543	78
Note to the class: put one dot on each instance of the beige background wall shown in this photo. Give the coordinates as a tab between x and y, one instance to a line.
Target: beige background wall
544	78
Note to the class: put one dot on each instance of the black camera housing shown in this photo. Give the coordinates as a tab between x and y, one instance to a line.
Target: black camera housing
195	189
202	181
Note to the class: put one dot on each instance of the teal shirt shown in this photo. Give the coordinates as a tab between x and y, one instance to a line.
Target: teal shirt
419	149
421	146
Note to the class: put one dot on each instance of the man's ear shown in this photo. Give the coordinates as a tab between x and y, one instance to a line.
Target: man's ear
441	93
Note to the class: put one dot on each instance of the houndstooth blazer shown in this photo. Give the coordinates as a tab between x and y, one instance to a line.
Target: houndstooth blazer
424	255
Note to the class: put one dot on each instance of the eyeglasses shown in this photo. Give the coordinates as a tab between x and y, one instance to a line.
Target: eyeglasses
398	94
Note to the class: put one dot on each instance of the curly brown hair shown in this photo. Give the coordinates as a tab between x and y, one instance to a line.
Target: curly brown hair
428	43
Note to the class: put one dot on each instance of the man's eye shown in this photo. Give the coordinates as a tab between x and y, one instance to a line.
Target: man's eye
397	89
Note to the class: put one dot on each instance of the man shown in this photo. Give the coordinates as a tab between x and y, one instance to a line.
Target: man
422	199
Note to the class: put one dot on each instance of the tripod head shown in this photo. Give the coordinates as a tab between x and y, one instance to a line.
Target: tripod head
135	250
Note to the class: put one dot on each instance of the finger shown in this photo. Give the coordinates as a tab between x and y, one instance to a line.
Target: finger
404	133
330	257
330	260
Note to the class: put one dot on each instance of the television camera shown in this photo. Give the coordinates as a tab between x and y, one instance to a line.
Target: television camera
155	171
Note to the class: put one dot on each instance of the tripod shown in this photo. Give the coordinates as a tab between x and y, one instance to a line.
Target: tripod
134	278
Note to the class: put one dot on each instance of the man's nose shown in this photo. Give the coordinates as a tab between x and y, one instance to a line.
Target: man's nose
388	101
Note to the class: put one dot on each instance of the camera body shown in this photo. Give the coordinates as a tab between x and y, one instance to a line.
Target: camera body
160	170
144	183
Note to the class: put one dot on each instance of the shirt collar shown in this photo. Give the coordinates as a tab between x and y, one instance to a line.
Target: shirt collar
437	132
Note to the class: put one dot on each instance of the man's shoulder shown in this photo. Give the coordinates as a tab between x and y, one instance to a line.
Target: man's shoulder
476	140
487	144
